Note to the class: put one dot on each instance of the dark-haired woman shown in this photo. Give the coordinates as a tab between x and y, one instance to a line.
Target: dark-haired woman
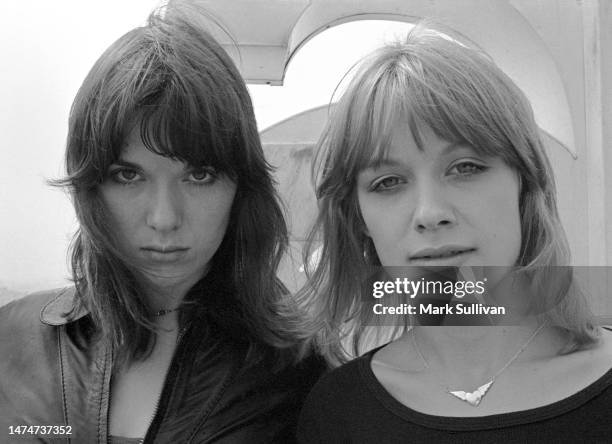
177	329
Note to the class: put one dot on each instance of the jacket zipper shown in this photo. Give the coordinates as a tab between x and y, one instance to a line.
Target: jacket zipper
169	382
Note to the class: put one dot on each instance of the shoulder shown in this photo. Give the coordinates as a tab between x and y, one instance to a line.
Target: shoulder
287	384
23	328
311	367
339	395
26	313
598	359
30	386
594	360
290	382
256	402
340	386
30	323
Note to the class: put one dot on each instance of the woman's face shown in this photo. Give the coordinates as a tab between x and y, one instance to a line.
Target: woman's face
169	217
443	206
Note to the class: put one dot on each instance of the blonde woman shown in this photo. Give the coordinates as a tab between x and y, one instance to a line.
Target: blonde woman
432	159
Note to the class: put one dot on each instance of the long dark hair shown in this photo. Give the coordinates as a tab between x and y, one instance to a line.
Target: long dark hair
175	81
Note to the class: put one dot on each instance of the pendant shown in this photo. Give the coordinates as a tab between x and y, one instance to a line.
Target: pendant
473	398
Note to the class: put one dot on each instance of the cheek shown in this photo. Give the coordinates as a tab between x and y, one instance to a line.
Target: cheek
368	211
210	217
214	221
513	228
122	214
503	225
385	224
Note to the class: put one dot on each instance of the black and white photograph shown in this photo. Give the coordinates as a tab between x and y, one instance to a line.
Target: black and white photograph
306	221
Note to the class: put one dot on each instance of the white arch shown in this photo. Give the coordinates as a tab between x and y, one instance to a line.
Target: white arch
498	28
270	32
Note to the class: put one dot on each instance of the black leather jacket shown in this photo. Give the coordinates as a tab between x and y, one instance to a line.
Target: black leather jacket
50	375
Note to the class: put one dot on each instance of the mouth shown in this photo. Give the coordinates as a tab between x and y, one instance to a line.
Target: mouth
168	253
165	250
440	254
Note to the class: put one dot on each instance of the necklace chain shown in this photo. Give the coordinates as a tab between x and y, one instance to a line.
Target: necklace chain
474	398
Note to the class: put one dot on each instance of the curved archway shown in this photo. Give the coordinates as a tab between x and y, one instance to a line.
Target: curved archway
499	29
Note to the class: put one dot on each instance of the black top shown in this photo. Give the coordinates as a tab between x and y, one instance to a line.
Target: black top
349	405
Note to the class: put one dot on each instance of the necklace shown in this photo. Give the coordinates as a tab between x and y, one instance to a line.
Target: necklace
164	312
474	398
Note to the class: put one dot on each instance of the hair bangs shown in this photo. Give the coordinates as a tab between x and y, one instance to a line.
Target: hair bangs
186	110
464	98
387	111
377	108
396	88
176	126
181	113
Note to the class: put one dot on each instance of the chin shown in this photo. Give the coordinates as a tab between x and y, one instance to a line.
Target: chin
167	277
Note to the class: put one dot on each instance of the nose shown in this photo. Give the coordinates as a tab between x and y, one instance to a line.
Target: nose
433	211
164	209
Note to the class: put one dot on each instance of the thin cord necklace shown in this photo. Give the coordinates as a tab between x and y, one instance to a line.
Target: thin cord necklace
164	311
182	330
474	398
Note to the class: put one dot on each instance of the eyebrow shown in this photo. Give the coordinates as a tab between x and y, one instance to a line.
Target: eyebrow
392	162
385	162
454	146
125	163
135	166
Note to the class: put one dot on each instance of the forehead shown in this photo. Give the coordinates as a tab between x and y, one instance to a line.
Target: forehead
132	140
135	151
156	135
407	141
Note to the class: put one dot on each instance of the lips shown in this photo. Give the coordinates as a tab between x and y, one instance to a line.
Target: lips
165	250
170	253
440	253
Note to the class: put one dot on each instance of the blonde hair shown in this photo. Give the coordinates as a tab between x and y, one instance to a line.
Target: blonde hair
456	90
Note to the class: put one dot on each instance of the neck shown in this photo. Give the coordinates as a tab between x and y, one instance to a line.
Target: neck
165	300
167	292
165	295
167	323
472	354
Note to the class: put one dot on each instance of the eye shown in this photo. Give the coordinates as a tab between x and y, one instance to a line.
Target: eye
467	168
125	176
386	183
203	176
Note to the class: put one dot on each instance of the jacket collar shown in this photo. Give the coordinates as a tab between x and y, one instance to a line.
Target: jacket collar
62	308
